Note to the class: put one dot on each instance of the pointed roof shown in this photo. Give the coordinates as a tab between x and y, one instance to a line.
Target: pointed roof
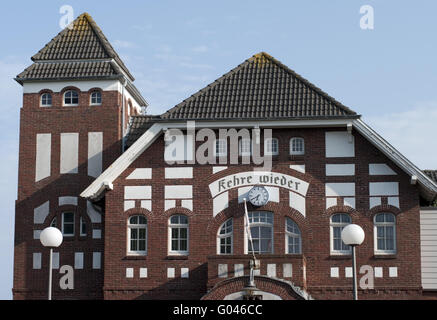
81	40
259	88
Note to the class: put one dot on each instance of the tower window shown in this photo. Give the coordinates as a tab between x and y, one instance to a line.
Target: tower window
71	98
96	98
271	147
46	100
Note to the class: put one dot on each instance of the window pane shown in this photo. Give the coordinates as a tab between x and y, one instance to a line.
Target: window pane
175	233
133	245
142	245
134	233
174	245
183	245
183	233
68	217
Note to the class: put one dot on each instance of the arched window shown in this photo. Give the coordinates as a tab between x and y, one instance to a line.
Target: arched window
293	237
297	146
385	233
338	222
96	98
54	223
46	100
271	146
178	235
225	238
245	147
71	98
137	235
261	229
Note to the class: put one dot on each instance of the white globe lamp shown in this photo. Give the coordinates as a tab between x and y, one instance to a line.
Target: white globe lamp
51	237
353	235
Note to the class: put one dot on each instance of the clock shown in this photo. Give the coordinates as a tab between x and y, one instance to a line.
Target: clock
258	196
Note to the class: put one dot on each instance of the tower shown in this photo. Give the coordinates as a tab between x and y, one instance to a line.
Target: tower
77	99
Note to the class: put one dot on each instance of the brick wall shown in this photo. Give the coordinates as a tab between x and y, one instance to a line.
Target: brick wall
203	226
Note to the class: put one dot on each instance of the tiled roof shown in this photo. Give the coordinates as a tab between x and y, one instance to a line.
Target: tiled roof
137	126
65	70
83	42
259	88
432	174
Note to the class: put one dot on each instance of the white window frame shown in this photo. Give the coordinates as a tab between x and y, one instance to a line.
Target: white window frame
41	100
70	104
82	222
260	224
298	152
375	234
91	98
137	226
268	146
63	224
240	148
293	235
229	234
171	226
221	144
341	225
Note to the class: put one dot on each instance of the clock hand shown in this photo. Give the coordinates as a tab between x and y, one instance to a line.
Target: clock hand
255	197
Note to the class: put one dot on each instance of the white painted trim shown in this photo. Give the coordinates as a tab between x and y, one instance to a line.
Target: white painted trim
128	157
395	156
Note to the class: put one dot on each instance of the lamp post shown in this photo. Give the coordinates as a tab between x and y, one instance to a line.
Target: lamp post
353	235
51	238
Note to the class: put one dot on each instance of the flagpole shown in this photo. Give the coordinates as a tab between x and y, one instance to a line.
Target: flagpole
249	235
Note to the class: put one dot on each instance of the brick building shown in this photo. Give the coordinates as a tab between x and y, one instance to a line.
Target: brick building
143	218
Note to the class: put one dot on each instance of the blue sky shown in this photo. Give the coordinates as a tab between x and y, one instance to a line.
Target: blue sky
174	48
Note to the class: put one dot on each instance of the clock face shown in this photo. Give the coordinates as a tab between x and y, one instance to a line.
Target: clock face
258	196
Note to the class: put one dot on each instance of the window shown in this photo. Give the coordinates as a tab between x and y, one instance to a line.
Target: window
68	223
46	100
82	227
225	237
71	98
261	229
96	98
293	238
178	235
221	148
137	235
338	222
385	233
271	147
245	147
297	146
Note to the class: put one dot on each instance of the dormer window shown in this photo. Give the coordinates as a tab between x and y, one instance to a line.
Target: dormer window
71	98
96	98
46	100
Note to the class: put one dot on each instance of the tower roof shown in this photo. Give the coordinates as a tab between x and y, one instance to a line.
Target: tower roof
81	45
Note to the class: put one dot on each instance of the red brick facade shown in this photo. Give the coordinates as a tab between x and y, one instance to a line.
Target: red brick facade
57	119
202	260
